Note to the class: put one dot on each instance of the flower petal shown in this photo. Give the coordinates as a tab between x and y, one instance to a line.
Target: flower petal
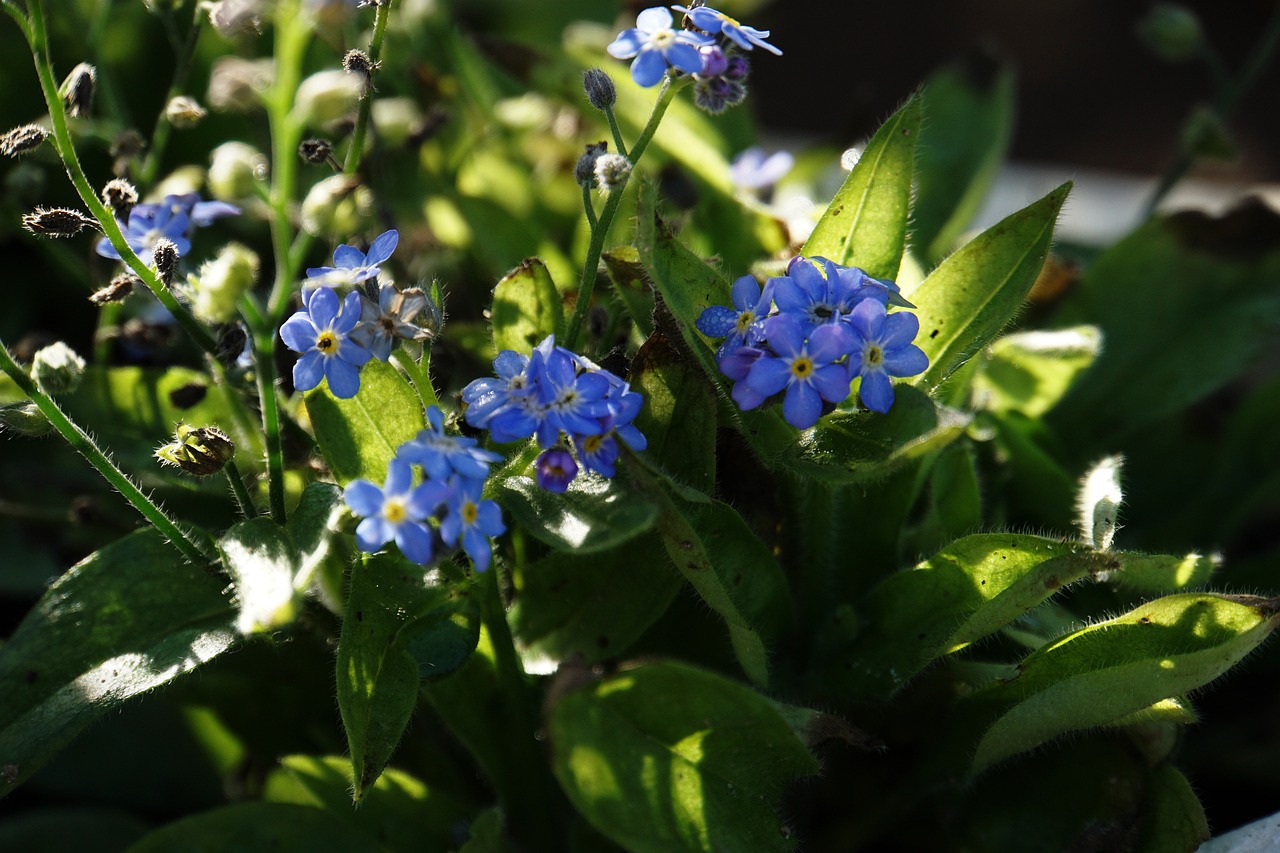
308	371
323	308
382	247
768	376
344	379
905	361
415	541
626	45
372	534
876	391
802	406
648	68
399	478
900	329
653	19
684	56
363	498
298	332
348	257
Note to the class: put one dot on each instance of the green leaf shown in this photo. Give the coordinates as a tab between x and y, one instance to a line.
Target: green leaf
952	501
154	617
631	284
1164	572
1174	819
399	811
262	560
359	436
592	606
594	514
485	834
866	223
668	757
968	590
311	526
396	632
973	294
526	308
258	828
966	123
1029	372
679	414
1107	671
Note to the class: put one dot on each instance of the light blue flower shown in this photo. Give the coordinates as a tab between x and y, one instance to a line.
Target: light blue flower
471	520
744	323
806	368
752	170
442	455
352	266
397	511
882	348
656	46
148	224
713	21
321	332
555	469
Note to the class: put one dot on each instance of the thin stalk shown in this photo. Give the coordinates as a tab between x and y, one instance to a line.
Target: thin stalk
160	133
590	267
356	151
589	207
618	143
241	492
192	547
263	335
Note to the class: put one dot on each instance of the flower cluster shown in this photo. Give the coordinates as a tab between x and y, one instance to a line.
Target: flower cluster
810	333
337	336
444	509
710	48
173	219
553	392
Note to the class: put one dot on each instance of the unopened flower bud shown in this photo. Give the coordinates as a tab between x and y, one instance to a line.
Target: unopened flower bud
585	170
601	91
57	369
232	17
397	119
127	145
22	139
1171	31
325	97
231	344
1206	135
235	170
117	291
317	151
358	64
56	222
77	90
200	451
217	288
335	207
164	257
24	418
120	196
183	112
612	171
237	85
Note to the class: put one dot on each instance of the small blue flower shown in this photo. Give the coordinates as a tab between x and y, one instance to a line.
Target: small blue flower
556	469
882	348
200	212
570	401
743	326
321	332
752	170
656	46
712	21
352	266
472	520
807	369
441	455
148	224
391	318
397	511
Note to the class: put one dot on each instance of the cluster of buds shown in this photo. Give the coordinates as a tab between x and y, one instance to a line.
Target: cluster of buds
200	451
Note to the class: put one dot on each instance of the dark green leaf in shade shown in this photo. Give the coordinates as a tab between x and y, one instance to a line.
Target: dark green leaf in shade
1164	572
399	810
125	620
259	828
679	414
952	501
486	835
1029	372
526	308
866	223
592	606
67	829
312	524
397	632
965	126
974	293
631	284
594	514
1174	821
668	757
359	436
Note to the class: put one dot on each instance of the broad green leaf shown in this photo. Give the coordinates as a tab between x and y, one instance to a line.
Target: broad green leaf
311	525
259	828
262	560
952	501
123	621
1164	572
974	293
1029	372
667	757
526	308
679	414
1037	488
399	811
1175	820
965	126
1107	671
594	514
968	590
592	606
631	284
396	632
866	223
359	436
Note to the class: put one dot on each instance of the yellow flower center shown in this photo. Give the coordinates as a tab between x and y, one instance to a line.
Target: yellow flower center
394	511
802	367
592	443
327	343
873	355
745	319
662	39
470	512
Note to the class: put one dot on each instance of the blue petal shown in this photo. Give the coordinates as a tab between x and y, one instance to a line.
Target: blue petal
648	68
684	56
900	329
372	534
830	341
768	376
323	308
746	398
802	406
626	45
382	247
203	213
477	548
867	319
320	272
424	499
352	353
298	332
717	321
399	477
348	317
348	257
745	293
363	498
876	391
832	382
905	361
107	250
653	19
785	334
344	380
414	541
308	371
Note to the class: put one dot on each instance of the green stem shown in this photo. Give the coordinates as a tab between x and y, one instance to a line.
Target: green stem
38	40
619	145
356	152
264	337
667	93
192	547
160	133
589	207
239	489
419	375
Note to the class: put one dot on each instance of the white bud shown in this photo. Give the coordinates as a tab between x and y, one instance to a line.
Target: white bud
217	288
335	207
57	369
184	112
234	170
325	97
1099	502
612	171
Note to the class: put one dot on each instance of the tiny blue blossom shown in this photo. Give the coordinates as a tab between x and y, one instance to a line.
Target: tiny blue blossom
352	266
396	511
744	323
321	332
471	521
883	348
656	46
806	368
752	170
149	224
712	21
556	469
442	455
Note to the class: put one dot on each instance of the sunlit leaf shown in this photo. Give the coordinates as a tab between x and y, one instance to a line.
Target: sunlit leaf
594	514
359	436
526	308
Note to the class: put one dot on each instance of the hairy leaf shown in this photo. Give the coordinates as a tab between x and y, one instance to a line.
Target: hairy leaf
359	437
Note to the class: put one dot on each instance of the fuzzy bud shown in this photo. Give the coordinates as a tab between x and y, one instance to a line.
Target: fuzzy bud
237	85
57	369
326	97
317	151
231	344
336	206
585	170
120	196
117	291
358	64
183	112
165	257
25	419
612	171
235	170
1099	503
233	17
22	139
601	91
397	120
200	451
56	222
77	90
217	288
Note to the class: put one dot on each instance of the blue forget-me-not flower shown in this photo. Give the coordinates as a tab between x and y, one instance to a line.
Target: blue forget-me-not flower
352	266
396	511
321	331
713	21
657	46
